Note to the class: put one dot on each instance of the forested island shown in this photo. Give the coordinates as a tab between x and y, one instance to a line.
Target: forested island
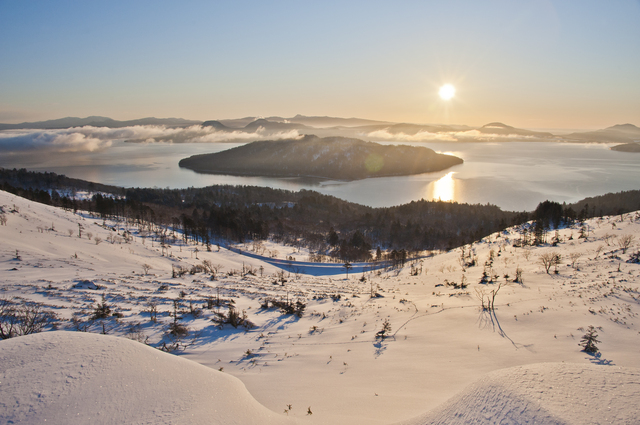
335	158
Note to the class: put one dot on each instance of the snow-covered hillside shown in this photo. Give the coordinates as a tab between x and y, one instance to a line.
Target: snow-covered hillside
327	366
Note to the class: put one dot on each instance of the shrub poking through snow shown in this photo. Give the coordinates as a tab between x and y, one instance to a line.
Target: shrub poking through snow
233	318
589	341
385	331
102	310
625	242
23	319
176	329
286	307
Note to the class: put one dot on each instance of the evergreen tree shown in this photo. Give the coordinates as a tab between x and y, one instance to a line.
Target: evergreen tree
589	341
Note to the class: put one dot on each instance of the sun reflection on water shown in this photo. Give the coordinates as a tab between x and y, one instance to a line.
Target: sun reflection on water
443	188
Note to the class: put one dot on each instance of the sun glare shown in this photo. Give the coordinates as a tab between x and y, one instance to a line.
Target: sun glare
443	189
447	92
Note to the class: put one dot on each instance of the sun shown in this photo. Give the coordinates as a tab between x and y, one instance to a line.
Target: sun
447	92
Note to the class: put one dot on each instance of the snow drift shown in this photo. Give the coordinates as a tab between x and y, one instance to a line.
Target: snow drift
545	393
81	378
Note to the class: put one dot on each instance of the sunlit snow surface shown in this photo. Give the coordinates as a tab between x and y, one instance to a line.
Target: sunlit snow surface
84	378
445	359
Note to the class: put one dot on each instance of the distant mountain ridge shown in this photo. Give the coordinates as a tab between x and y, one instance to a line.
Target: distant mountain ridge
335	158
334	121
253	126
310	121
217	125
326	126
625	128
97	121
272	125
620	133
507	130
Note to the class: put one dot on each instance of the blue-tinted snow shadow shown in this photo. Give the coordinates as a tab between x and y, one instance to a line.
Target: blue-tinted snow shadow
597	359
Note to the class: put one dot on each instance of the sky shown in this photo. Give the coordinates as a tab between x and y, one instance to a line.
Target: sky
531	64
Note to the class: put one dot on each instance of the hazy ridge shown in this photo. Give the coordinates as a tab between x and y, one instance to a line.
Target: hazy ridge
343	127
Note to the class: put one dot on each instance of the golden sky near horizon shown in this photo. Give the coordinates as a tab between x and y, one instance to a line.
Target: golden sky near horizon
531	64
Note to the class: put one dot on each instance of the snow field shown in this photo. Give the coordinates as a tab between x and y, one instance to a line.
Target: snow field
329	360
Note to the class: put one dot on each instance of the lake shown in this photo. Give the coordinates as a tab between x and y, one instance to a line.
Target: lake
514	175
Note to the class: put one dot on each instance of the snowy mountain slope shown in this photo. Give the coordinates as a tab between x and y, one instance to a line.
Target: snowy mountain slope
80	378
329	361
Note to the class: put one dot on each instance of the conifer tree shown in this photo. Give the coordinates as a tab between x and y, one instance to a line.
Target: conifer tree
589	341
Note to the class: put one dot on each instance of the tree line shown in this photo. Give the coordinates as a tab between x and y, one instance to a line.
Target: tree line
329	226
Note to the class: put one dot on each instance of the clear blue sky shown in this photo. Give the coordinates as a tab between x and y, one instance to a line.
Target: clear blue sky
534	64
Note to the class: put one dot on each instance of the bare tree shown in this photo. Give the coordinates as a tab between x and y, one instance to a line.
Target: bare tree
549	259
574	256
598	251
32	319
8	319
625	242
488	298
146	267
206	265
214	269
152	308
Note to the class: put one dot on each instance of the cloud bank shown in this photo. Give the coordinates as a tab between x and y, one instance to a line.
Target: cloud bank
451	136
95	139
